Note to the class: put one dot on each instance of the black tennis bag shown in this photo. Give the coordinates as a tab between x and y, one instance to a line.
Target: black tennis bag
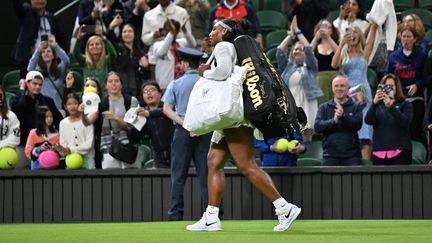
268	103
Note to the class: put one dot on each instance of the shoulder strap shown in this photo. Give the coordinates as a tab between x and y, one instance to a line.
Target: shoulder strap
127	101
55	87
104	105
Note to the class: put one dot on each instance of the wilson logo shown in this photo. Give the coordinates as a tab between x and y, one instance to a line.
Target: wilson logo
252	79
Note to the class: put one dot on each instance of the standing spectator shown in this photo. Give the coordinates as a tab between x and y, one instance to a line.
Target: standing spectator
99	57
352	57
159	127
390	115
42	138
413	21
75	137
134	11
325	43
185	145
24	105
236	9
199	13
10	125
44	59
299	72
132	62
35	25
272	155
338	120
407	64
155	19
168	66
352	13
308	13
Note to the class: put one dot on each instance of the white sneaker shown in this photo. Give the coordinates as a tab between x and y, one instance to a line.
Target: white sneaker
203	225
286	216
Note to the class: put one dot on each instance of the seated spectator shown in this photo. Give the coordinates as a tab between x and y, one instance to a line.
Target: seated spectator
273	155
236	9
159	127
24	105
352	13
75	137
199	13
299	71
407	64
98	59
132	62
42	138
35	24
338	120
309	13
325	43
390	115
10	125
44	59
168	66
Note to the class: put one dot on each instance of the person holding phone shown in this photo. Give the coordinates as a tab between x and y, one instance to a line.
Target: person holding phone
44	59
352	57
390	115
352	13
325	43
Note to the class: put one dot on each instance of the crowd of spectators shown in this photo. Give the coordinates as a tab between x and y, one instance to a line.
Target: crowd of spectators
128	50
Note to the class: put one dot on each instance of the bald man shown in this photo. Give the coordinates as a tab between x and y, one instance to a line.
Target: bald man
338	120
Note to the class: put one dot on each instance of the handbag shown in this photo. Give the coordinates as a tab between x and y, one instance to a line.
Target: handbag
215	105
124	152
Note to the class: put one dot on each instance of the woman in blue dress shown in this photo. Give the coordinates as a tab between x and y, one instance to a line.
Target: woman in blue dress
352	58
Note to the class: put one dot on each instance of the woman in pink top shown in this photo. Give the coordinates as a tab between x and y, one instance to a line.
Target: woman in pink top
390	115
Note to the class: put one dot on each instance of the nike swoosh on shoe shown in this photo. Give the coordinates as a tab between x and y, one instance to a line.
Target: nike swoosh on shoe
207	224
287	216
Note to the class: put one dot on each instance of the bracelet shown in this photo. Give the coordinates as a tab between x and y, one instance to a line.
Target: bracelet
298	32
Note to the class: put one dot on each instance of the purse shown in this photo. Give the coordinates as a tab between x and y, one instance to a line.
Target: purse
215	105
124	152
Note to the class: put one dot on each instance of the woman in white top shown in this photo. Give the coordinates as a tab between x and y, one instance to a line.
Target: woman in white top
9	124
352	13
237	141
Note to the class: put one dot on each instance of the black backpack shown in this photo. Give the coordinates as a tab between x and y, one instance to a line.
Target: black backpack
268	103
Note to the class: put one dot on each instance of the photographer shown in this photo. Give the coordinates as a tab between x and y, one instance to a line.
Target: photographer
390	115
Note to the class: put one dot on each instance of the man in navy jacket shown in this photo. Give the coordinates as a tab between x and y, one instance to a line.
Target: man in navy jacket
35	22
339	120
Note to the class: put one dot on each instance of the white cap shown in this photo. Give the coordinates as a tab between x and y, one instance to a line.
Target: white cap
34	74
91	102
134	119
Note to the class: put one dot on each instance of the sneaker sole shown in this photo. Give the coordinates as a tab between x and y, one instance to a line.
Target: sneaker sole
295	215
216	229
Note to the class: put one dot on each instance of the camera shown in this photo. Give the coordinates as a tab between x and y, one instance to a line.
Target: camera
44	37
386	90
118	13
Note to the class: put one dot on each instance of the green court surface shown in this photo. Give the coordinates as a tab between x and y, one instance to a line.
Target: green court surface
233	231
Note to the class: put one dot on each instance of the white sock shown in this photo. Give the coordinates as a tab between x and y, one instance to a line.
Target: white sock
212	213
280	202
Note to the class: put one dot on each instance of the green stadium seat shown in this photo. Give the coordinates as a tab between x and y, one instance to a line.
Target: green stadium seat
324	79
147	156
333	5
11	80
313	150
271	55
308	162
256	4
428	37
276	5
425	4
332	15
401	5
366	162
419	153
274	38
424	14
270	20
372	79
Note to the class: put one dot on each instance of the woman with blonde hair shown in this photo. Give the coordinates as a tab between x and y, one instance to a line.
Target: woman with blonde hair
413	21
352	57
98	59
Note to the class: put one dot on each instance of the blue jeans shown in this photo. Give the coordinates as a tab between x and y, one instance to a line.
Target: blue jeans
184	149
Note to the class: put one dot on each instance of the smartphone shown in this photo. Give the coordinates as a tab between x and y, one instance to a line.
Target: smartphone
44	37
323	26
89	29
118	13
348	30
